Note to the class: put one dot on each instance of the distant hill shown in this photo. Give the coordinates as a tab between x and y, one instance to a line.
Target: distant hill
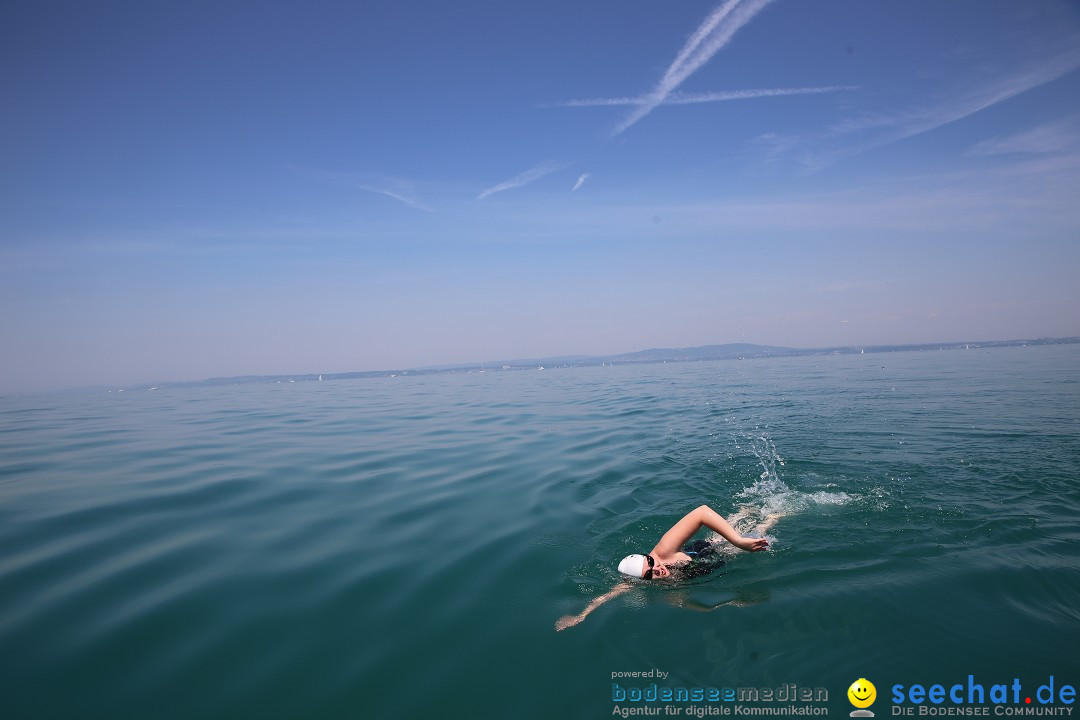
730	351
734	351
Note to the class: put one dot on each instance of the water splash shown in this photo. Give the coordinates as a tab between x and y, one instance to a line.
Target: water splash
769	495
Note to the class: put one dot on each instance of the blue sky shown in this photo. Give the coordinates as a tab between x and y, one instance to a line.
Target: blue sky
218	188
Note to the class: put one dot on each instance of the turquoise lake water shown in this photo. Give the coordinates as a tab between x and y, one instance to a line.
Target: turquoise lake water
401	547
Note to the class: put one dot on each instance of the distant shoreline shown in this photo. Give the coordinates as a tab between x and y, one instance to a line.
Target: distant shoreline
730	351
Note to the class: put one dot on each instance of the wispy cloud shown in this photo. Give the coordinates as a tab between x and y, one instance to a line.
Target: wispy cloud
400	195
399	189
883	128
775	144
919	120
533	173
1049	138
580	182
706	97
710	37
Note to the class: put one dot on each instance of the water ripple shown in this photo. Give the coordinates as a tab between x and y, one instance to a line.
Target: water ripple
286	549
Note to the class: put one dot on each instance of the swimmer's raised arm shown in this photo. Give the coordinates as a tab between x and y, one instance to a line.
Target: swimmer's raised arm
703	515
570	620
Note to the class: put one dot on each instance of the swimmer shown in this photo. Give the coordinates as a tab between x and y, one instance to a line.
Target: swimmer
671	558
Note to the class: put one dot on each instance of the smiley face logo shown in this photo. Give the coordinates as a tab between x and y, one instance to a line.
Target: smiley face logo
862	693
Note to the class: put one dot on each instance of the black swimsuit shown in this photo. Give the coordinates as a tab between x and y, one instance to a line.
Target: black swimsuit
704	558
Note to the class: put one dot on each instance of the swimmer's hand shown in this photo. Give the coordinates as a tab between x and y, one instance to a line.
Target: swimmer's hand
752	544
568	621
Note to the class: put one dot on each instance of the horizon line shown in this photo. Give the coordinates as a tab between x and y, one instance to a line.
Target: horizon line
591	360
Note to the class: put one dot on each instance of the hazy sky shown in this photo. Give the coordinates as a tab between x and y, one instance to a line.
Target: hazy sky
193	189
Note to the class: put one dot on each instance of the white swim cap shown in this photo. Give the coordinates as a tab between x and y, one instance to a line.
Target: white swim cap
632	565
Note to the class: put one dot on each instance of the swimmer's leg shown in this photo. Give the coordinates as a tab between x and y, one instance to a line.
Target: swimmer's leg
765	525
742	519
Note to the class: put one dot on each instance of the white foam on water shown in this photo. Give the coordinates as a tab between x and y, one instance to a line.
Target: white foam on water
769	495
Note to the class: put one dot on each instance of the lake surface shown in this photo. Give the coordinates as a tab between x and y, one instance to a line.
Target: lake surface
401	547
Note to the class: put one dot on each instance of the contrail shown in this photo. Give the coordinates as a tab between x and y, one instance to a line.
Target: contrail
710	37
705	97
580	181
389	193
534	173
889	128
